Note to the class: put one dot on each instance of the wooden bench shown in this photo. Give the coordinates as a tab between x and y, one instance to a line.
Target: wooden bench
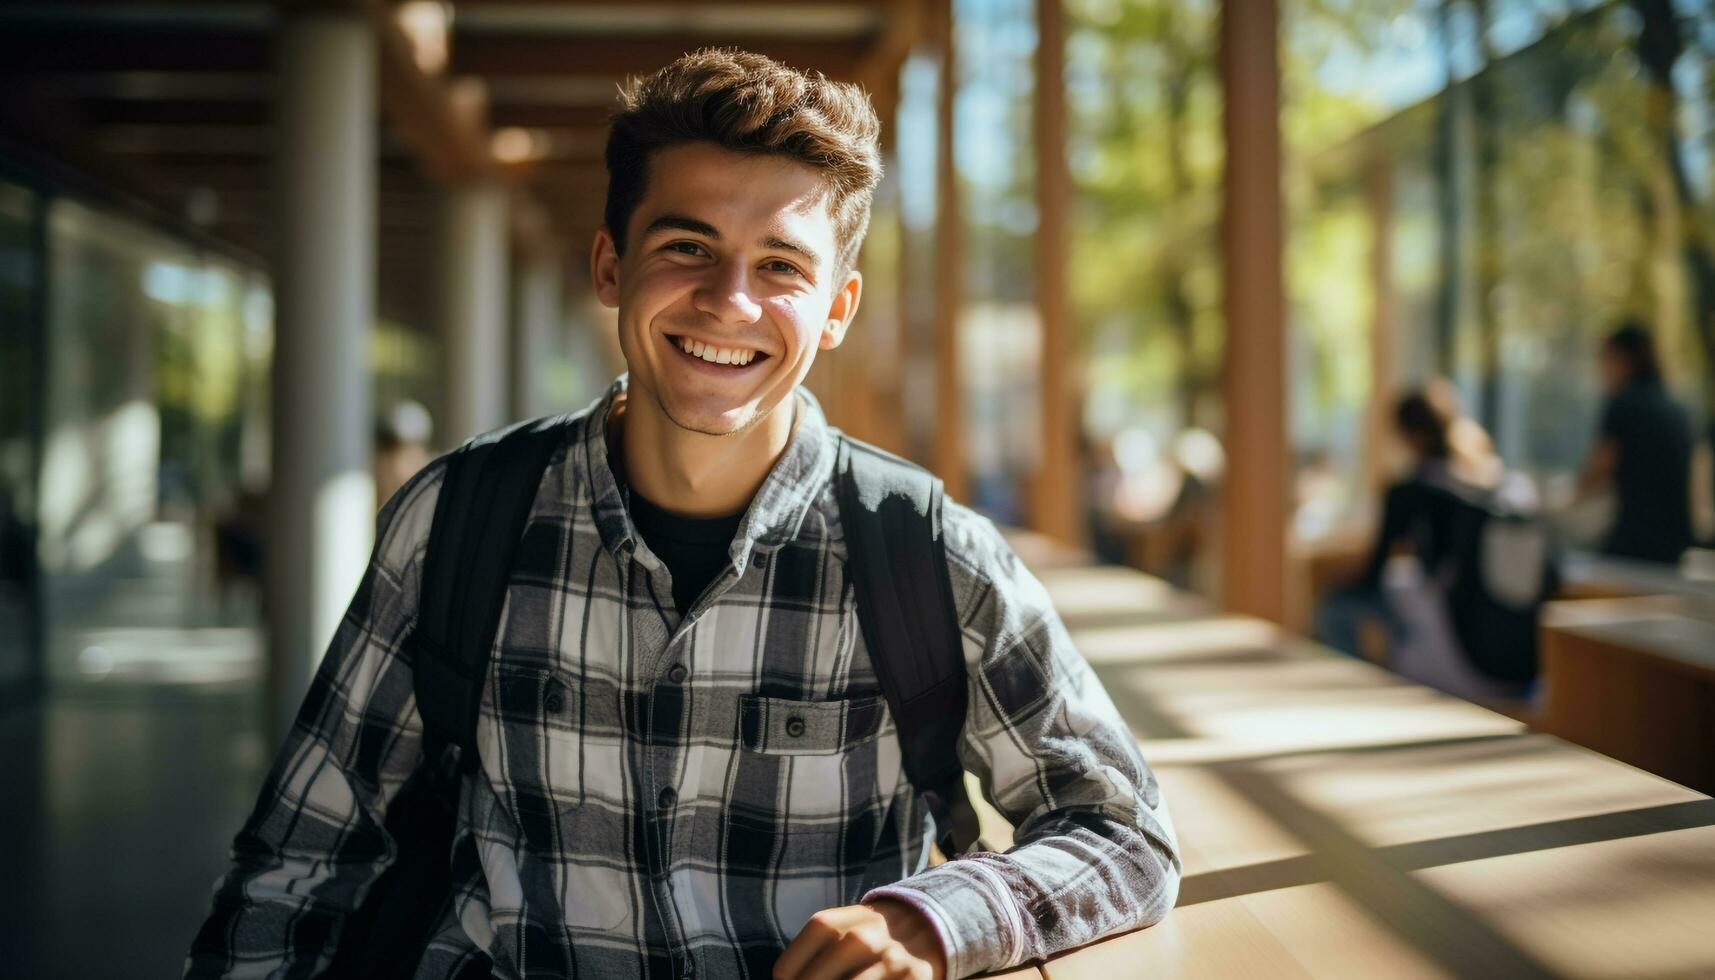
1338	821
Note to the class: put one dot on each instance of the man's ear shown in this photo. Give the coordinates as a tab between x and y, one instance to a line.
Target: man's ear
604	268
842	311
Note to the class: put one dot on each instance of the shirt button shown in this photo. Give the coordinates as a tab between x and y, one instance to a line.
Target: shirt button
761	560
795	726
555	699
677	673
667	798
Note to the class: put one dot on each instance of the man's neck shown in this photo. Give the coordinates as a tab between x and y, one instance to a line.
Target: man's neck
690	473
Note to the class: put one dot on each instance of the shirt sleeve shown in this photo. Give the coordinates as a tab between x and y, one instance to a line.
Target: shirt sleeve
1395	523
316	839
1094	850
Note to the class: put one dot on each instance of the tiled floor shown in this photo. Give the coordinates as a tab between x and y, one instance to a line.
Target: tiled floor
118	807
120	791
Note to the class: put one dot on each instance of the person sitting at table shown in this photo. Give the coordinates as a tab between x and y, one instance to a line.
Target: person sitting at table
1642	453
1428	514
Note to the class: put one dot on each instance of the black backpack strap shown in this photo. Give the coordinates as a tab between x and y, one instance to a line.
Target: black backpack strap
485	499
890	510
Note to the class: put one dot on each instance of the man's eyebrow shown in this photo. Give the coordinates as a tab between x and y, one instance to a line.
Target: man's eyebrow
679	222
791	246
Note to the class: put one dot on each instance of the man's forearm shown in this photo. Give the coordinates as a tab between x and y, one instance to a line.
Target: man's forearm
1076	877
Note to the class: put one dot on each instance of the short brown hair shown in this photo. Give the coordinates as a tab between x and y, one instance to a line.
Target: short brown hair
746	102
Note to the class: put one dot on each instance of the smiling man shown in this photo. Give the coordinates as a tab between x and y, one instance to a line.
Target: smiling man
686	767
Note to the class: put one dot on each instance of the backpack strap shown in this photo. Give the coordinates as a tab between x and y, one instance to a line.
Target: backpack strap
891	511
485	499
486	494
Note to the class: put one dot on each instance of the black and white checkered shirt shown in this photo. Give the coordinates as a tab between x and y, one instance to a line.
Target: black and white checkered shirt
667	796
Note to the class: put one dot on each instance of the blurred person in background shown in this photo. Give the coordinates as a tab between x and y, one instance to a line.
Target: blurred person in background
1101	486
1471	455
1416	513
1440	618
1642	453
401	448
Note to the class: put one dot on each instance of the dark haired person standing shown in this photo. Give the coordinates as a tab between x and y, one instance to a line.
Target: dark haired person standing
1643	452
685	768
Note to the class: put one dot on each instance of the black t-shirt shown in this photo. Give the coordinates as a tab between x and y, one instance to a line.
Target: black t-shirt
1652	478
694	549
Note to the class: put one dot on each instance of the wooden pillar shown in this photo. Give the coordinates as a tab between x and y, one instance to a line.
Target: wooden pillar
1255	494
1384	324
871	360
1054	503
949	461
884	386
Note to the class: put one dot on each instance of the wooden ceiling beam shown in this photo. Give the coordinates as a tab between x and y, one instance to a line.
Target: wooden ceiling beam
28	49
452	144
543	116
178	112
615	58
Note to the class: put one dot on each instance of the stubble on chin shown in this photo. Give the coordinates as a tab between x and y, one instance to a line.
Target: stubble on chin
751	423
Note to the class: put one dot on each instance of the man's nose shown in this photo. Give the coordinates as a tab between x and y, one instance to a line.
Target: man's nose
725	295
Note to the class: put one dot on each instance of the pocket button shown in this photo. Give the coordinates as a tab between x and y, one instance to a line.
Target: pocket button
554	700
795	726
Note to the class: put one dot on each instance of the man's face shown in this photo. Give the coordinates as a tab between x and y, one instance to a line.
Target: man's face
732	256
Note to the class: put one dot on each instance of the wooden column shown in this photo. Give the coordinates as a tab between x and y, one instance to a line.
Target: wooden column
1384	330
1255	491
869	359
949	461
884	381
1054	503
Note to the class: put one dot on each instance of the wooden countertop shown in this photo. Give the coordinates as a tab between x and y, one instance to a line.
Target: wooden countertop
1337	821
1677	628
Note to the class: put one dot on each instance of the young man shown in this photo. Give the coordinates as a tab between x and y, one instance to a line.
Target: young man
685	767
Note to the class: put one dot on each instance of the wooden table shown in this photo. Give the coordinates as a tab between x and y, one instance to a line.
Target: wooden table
1591	576
1634	678
1339	822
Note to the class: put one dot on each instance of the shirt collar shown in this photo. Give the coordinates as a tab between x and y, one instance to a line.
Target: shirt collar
776	512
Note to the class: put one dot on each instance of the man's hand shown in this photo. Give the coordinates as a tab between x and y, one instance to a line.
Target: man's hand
883	940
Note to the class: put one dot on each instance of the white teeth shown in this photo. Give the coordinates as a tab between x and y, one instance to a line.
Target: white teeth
716	355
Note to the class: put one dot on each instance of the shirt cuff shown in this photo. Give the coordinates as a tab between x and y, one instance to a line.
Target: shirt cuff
974	913
925	907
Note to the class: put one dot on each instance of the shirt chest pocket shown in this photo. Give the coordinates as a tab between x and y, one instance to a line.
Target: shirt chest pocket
531	733
782	726
806	767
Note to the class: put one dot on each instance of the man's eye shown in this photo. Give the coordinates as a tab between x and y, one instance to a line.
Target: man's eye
686	248
782	267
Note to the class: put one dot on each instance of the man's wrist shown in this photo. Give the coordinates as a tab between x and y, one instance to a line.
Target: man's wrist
891	902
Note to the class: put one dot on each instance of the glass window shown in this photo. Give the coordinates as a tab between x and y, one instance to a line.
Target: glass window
155	448
1488	189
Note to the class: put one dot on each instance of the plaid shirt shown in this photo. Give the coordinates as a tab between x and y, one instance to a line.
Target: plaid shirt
672	796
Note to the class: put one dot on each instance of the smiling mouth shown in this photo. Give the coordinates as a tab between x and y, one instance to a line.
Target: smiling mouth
731	359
